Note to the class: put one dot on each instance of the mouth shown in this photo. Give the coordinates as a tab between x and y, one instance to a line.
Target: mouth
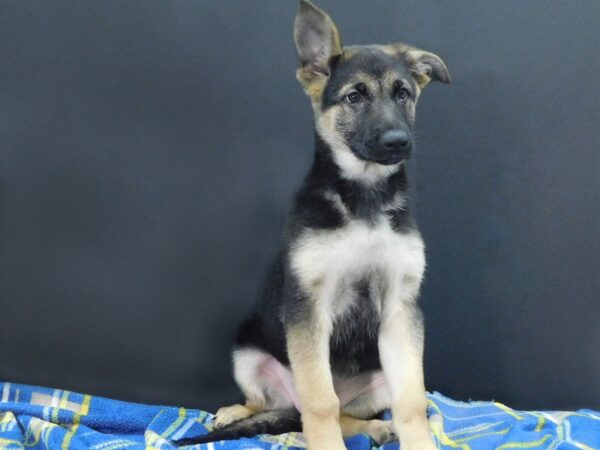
387	160
391	160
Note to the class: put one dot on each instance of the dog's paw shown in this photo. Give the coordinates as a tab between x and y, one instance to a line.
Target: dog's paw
230	414
381	431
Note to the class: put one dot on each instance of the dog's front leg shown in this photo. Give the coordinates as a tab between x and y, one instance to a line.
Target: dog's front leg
401	354
308	349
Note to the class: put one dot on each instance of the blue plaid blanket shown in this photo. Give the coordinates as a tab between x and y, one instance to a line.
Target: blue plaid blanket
43	418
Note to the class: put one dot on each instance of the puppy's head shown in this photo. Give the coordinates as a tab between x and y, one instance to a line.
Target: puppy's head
363	97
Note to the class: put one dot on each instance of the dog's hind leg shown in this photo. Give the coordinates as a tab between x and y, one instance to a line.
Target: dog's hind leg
373	397
381	431
265	383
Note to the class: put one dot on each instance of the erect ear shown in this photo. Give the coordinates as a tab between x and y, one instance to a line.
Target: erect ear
317	42
425	66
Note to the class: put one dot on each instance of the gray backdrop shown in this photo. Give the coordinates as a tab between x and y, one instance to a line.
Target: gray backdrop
148	151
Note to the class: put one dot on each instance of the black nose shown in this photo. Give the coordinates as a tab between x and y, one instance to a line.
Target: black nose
395	140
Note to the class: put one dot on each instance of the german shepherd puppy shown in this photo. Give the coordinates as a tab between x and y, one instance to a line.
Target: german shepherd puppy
338	334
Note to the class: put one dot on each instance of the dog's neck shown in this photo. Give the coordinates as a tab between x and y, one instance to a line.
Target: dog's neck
362	198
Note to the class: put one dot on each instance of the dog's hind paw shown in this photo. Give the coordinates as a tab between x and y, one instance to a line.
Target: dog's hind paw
381	431
230	414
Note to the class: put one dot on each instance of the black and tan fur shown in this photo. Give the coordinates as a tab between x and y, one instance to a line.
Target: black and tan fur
340	305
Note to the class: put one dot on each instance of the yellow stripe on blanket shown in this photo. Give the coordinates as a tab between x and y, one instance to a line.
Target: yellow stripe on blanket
85	408
175	424
507	410
525	444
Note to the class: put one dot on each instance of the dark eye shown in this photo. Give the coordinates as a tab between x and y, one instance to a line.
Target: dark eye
354	97
403	94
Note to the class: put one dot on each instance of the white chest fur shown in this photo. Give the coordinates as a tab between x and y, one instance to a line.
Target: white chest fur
325	262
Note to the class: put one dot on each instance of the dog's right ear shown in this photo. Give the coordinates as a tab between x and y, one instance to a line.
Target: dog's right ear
317	44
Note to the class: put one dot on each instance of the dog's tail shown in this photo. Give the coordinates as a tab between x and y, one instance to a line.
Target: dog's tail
276	421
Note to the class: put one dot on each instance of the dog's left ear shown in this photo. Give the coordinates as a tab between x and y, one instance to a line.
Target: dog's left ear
425	66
